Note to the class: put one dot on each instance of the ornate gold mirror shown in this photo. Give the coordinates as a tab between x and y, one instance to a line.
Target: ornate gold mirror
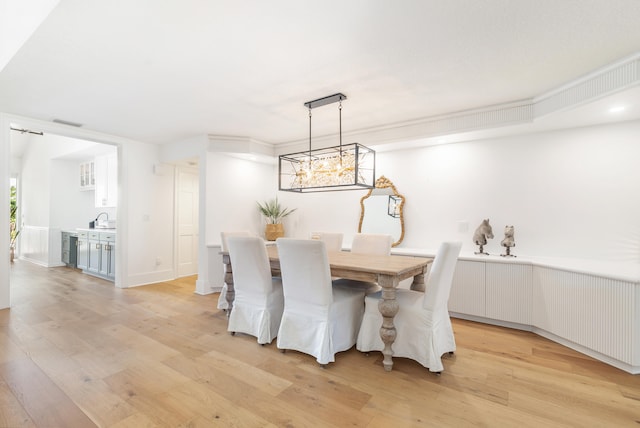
381	211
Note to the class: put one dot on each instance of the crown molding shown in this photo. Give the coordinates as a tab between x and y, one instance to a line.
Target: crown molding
242	147
613	78
605	81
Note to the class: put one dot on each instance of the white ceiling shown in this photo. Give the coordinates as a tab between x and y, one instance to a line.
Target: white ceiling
162	71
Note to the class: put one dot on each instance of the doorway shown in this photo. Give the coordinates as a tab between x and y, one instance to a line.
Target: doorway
45	167
187	206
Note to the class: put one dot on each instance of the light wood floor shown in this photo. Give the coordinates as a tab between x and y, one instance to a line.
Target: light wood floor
77	352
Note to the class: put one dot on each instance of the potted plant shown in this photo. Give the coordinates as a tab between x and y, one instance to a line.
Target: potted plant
273	213
13	229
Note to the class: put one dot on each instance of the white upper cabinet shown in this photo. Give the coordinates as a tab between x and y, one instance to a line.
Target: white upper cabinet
87	175
106	181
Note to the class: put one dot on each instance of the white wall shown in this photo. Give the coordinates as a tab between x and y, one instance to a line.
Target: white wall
572	193
323	212
50	186
234	186
36	186
16	165
70	207
149	229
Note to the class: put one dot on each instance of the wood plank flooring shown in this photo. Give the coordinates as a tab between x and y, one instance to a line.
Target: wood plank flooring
77	352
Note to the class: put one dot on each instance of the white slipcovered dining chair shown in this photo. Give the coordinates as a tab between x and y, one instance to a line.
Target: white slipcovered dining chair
372	243
332	240
224	236
423	326
259	301
318	319
367	243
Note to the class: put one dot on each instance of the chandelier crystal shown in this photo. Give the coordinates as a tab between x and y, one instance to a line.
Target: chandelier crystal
343	167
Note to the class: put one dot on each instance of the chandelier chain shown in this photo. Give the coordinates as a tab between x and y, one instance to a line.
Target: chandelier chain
309	132
340	120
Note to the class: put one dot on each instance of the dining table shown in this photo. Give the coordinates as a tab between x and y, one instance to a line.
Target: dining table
387	271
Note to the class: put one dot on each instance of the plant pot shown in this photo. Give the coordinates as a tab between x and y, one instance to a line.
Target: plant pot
273	231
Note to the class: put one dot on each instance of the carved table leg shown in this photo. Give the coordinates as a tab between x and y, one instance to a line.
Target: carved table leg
418	283
388	307
228	279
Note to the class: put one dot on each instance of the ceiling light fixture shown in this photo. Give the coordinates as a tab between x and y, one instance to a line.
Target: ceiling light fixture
343	167
617	109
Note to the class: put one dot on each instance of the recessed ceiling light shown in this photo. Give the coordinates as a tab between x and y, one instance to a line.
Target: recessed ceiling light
617	109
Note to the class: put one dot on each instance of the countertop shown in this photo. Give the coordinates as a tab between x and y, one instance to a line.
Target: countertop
97	229
623	271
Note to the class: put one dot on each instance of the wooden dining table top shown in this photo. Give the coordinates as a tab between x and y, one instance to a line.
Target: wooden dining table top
366	267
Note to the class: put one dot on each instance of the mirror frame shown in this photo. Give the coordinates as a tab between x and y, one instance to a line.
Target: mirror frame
384	183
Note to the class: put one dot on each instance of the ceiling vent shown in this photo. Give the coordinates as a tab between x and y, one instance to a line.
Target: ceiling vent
66	122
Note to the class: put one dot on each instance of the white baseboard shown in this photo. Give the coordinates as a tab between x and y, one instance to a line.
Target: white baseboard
147	278
40	262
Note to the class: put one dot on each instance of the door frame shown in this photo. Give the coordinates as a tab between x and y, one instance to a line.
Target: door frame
6	121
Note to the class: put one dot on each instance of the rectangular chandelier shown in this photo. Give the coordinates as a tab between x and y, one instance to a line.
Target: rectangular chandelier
343	167
348	167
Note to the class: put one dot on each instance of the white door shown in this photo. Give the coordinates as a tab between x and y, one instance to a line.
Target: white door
187	218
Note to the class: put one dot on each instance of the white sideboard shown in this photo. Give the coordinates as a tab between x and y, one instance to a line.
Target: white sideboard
587	305
590	306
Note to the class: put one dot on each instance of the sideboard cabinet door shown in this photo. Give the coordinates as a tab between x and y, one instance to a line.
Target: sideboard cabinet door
509	292
468	289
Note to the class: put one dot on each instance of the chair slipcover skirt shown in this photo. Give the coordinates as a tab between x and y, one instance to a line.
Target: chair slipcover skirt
318	319
222	298
423	327
259	299
257	315
420	334
321	332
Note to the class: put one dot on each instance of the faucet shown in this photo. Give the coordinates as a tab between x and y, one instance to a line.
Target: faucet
98	216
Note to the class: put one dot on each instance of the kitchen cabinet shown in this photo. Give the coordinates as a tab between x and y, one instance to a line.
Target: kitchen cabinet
87	175
69	248
83	249
106	181
108	256
96	253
